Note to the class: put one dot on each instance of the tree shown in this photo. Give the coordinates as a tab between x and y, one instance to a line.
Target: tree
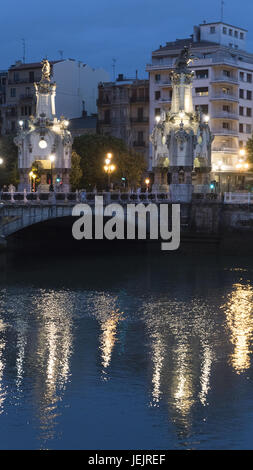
93	149
9	154
76	172
249	148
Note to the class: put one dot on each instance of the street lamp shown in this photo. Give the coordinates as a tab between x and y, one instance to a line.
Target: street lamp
42	143
52	159
147	181
1	161
109	168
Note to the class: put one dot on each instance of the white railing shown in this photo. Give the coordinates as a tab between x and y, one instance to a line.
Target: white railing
238	198
224	96
82	196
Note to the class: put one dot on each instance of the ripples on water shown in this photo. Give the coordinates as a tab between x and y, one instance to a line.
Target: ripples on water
119	352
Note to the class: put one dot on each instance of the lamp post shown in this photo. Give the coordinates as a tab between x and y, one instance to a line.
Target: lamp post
147	181
109	168
242	165
219	167
52	159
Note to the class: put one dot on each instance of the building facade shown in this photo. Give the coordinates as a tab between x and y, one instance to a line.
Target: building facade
123	112
222	89
76	91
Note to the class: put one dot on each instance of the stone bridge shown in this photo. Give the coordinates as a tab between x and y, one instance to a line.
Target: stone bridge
20	210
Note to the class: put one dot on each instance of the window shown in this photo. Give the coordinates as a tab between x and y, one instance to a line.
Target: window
13	92
241	128
248	128
13	126
241	94
249	78
236	34
201	91
201	74
140	137
157	77
241	109
31	77
230	32
157	111
241	35
16	76
226	108
224	30
227	73
249	112
157	95
242	76
212	29
225	125
107	116
249	95
202	107
140	114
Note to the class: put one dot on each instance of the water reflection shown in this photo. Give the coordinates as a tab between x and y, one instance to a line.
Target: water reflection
52	354
2	348
163	345
239	317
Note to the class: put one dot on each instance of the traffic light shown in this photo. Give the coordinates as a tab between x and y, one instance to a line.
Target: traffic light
58	179
213	185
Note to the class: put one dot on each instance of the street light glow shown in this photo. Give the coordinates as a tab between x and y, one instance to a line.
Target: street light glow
1	161
52	158
42	144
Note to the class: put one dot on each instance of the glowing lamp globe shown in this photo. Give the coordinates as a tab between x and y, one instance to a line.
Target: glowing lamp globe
42	144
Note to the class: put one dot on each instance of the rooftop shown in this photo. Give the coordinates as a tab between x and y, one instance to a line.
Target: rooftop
225	24
180	43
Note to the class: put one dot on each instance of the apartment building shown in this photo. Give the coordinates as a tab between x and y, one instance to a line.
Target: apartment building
123	112
222	87
76	91
3	80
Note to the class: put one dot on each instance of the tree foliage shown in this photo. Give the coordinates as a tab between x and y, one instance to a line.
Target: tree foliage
93	149
9	154
76	172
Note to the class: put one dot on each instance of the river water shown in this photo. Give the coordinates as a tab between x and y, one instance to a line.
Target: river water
126	351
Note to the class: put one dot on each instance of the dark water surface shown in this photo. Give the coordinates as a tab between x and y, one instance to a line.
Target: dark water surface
126	351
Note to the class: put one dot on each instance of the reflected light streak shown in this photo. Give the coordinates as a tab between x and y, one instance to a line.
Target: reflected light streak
158	352
238	310
108	338
2	347
205	375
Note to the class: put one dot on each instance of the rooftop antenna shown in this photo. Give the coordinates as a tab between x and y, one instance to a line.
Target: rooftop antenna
23	43
113	68
61	54
222	10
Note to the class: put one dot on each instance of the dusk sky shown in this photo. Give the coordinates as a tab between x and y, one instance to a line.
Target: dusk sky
97	31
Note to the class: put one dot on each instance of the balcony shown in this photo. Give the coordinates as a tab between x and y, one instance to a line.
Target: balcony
226	150
139	99
230	132
139	119
165	100
140	143
27	97
224	97
11	114
225	115
224	79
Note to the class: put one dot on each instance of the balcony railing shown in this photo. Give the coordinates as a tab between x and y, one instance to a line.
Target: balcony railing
224	96
225	115
138	143
227	150
139	119
26	97
139	99
224	79
225	132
